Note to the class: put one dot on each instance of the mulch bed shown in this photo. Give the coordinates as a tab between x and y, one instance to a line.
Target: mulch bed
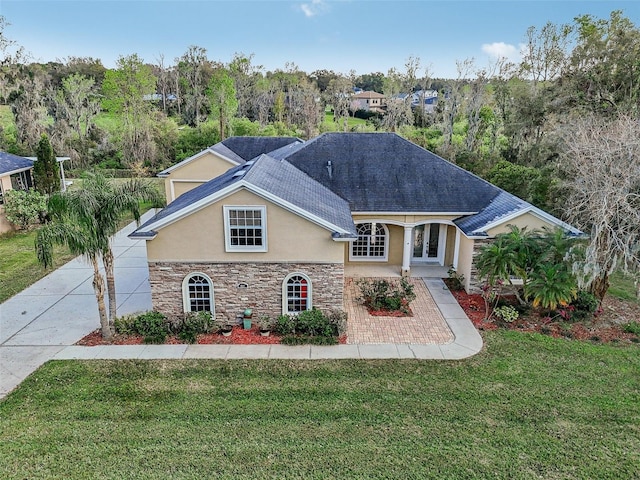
239	336
604	327
389	313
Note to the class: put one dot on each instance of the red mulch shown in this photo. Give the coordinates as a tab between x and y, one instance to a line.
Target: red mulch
603	327
239	336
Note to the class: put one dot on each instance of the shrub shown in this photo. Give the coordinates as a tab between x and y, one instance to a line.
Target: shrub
456	280
193	324
585	304
153	326
632	327
380	294
311	324
506	313
125	325
24	207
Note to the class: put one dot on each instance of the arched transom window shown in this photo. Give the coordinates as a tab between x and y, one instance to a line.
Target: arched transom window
296	293
371	243
197	293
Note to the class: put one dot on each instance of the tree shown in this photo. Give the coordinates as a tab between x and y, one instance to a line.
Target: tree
195	70
601	160
77	104
46	170
85	220
338	95
222	99
125	89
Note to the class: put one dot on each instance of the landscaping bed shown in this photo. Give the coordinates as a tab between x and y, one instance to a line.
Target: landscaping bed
607	325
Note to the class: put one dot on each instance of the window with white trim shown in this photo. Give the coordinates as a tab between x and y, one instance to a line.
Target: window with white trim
245	228
197	293
296	293
371	243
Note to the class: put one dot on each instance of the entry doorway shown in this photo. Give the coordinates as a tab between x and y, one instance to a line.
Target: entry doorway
428	243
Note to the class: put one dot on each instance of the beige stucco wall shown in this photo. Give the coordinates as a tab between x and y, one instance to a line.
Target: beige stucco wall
450	246
465	258
529	220
204	168
6	183
199	237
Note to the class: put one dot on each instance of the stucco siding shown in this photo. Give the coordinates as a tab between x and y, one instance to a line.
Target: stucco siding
529	220
465	259
200	237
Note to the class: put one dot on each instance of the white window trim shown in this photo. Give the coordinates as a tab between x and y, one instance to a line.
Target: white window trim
285	300
384	258
227	237
186	303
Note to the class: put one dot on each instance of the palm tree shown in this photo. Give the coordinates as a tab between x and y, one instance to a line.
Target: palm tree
85	220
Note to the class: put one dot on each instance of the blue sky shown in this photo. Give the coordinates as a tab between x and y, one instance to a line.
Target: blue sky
340	35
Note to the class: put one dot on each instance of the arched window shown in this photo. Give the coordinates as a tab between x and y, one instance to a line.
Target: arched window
197	293
296	293
372	242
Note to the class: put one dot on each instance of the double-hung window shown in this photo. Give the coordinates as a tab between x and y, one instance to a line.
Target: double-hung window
245	228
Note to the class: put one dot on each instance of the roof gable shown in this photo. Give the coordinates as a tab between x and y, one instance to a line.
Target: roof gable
271	179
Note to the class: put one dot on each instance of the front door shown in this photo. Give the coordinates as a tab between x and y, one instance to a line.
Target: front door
427	243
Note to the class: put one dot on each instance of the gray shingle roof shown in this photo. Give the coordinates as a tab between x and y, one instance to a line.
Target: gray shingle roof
248	148
10	163
279	179
502	205
290	184
385	173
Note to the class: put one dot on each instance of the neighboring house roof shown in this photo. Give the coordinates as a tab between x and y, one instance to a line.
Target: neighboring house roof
10	163
274	180
237	150
382	172
368	95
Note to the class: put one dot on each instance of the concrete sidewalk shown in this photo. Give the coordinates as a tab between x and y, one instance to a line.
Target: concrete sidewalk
44	321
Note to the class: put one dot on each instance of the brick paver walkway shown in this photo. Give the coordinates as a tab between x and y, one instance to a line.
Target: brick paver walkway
426	327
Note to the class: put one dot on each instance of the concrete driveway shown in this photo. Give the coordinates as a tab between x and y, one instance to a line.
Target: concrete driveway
61	308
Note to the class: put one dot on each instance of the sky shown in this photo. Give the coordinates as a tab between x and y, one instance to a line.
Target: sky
340	35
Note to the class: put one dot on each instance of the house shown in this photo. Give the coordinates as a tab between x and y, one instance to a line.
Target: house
15	174
369	101
281	231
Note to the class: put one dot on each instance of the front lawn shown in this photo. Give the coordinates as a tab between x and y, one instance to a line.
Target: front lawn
19	265
529	406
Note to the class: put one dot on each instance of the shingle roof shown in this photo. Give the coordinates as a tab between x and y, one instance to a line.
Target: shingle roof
382	172
500	206
283	182
11	163
291	185
250	147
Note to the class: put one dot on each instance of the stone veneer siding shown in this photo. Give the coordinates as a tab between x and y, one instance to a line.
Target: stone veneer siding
474	282
263	290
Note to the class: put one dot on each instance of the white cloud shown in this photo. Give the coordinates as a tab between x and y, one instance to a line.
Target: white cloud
314	8
501	50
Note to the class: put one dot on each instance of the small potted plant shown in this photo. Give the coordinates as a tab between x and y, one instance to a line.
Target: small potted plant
224	326
265	325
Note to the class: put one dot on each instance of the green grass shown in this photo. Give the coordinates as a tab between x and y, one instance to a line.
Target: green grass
529	406
19	265
351	121
622	287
